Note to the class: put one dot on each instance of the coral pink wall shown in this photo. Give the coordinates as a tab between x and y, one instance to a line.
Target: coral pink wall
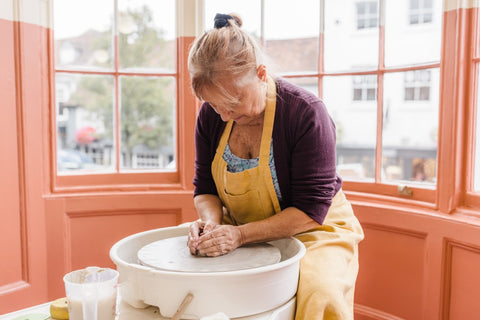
416	262
24	96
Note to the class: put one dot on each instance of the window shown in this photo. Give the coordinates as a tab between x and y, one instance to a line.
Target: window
364	88
421	11
385	103
367	14
417	85
115	78
392	140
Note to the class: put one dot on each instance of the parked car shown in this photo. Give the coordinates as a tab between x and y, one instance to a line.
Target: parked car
68	159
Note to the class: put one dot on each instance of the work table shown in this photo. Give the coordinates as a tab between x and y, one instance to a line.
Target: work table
126	312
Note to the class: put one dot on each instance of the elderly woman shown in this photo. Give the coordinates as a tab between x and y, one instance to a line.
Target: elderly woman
265	170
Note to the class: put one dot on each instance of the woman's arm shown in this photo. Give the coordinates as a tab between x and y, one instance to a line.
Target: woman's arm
209	208
210	212
284	224
225	238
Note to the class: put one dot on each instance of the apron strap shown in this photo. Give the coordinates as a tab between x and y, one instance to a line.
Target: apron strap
268	120
264	157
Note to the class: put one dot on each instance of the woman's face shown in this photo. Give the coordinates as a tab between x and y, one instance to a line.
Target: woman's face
249	108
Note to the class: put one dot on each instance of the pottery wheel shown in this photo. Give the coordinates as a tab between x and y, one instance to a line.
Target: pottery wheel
173	254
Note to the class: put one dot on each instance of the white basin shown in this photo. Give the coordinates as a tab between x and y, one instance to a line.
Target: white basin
236	293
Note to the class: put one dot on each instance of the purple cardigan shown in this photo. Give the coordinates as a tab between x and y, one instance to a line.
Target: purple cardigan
303	147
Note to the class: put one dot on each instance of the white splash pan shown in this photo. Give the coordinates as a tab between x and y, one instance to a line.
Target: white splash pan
236	293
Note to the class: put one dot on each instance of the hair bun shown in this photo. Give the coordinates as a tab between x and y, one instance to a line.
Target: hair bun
237	19
221	20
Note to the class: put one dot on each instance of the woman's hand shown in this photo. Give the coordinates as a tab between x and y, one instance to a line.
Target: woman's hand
218	241
196	230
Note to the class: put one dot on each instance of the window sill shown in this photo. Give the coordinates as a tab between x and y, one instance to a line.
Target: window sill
124	182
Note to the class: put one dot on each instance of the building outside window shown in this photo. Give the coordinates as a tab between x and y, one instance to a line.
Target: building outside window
417	85
420	11
367	14
364	88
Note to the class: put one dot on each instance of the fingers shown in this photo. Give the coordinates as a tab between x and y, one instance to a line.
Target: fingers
216	249
196	229
209	227
218	242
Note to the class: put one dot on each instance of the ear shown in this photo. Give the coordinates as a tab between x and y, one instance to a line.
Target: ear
262	72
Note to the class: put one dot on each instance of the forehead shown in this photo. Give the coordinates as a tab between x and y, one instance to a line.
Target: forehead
224	94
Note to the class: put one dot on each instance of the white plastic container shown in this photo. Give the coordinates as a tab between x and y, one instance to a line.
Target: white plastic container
235	293
91	293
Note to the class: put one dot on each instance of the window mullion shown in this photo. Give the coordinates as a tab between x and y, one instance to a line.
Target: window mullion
381	68
116	64
451	152
321	48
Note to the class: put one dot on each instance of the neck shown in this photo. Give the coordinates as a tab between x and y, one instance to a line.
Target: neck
254	122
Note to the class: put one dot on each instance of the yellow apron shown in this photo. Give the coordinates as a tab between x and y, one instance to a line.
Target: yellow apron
329	268
253	186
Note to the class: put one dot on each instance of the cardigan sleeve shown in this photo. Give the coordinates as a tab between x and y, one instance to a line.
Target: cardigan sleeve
205	147
313	178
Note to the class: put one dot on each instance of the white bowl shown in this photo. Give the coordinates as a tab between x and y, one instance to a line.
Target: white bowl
236	293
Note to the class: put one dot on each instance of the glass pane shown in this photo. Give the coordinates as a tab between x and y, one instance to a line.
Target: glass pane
248	10
348	47
83	33
419	35
291	34
147	122
356	123
85	140
414	4
410	130
310	84
146	34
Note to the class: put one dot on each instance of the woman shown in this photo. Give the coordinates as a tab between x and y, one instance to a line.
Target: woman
265	170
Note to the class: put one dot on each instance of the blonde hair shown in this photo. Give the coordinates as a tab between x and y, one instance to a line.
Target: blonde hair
222	54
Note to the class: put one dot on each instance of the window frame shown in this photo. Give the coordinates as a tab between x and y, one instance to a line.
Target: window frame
425	196
124	178
455	156
471	198
404	194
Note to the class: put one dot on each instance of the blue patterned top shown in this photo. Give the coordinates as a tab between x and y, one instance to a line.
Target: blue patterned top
236	164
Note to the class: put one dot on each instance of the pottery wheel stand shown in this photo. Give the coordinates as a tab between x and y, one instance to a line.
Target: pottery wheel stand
181	309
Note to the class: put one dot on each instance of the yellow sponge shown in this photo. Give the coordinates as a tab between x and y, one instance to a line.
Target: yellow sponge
59	309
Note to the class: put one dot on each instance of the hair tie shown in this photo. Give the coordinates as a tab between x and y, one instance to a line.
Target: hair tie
221	20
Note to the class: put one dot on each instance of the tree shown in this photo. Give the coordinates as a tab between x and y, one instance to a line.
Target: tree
146	103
